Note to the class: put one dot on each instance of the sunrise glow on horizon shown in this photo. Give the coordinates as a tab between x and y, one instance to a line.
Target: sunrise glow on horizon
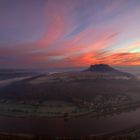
69	33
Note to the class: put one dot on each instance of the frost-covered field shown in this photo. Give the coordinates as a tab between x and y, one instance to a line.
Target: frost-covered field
45	109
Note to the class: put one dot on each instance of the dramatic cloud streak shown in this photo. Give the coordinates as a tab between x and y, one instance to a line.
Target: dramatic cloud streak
65	33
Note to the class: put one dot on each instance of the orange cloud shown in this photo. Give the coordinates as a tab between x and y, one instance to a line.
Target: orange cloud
120	59
125	59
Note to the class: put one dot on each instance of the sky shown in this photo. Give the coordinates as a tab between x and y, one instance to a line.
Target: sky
69	33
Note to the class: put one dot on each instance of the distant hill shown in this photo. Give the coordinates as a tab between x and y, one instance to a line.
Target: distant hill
106	69
96	80
101	68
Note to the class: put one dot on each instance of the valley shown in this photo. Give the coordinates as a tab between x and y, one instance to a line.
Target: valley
74	98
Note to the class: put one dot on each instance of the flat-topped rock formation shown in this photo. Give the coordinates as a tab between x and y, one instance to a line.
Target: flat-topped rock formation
101	68
106	69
